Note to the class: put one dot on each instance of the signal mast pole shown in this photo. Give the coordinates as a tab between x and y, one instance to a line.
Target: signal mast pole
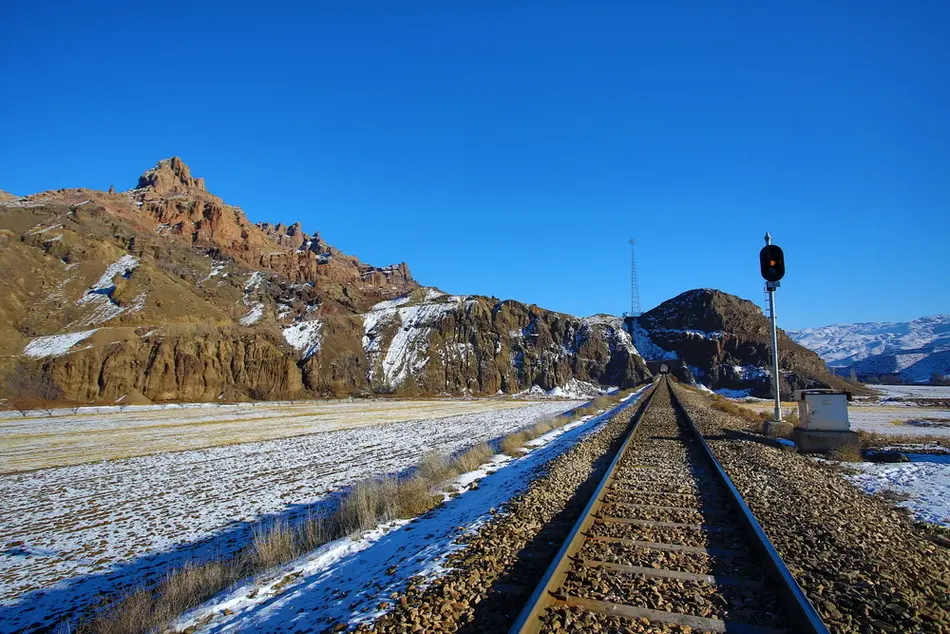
770	286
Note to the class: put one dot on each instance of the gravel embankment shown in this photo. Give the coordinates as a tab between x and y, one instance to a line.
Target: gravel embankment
863	563
502	563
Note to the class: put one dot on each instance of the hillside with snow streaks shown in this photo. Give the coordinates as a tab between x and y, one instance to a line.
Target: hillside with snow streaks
913	350
408	350
304	337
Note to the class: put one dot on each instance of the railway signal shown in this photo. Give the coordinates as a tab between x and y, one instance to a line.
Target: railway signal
772	266
772	261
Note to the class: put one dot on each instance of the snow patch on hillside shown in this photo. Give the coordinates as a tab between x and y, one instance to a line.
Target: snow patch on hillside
253	315
99	295
407	352
255	307
123	266
613	332
254	281
304	337
55	345
649	350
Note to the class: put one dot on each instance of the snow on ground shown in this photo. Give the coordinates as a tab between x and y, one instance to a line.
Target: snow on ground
92	434
911	421
893	420
579	389
573	389
55	345
71	532
304	337
913	391
348	579
925	480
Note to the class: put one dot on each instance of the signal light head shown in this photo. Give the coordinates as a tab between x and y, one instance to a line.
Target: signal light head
772	263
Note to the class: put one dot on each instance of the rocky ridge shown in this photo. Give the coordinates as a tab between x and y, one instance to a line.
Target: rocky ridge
913	351
167	292
725	342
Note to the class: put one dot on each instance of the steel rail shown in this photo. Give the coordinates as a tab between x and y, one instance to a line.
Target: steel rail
801	613
800	610
530	618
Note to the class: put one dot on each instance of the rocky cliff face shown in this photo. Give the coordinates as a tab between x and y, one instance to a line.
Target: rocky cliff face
725	341
168	293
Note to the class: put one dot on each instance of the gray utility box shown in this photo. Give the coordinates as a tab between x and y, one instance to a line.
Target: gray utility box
823	410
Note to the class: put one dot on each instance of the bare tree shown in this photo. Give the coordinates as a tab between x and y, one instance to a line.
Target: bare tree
28	388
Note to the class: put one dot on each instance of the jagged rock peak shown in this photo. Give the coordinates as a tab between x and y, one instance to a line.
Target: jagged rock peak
171	174
7	195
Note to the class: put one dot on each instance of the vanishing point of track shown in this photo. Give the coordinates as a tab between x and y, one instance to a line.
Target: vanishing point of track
667	543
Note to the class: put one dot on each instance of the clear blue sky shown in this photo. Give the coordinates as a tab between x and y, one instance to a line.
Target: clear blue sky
512	148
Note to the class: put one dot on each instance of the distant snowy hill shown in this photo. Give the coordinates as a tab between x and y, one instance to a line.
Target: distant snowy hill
913	350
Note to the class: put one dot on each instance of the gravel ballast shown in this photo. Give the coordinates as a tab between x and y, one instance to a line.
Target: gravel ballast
500	566
864	564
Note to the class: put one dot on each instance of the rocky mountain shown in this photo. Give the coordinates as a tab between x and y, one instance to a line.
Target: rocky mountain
912	351
166	292
724	340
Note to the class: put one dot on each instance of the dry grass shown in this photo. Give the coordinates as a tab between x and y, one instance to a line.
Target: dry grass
316	530
873	440
729	407
414	497
512	443
474	457
847	453
365	505
273	545
368	503
436	466
185	588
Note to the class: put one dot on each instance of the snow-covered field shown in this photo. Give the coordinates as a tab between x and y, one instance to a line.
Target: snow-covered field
69	532
108	433
901	421
913	391
349	580
897	419
925	481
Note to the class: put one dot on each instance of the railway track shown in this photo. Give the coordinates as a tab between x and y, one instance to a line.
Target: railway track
666	543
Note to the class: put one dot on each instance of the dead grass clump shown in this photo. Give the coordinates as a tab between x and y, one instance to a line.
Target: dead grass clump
315	531
873	440
512	443
436	467
181	590
727	406
538	430
273	545
414	497
192	584
369	502
474	457
847	453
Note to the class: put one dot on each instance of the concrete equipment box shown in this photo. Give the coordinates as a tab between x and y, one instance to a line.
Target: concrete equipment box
823	410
